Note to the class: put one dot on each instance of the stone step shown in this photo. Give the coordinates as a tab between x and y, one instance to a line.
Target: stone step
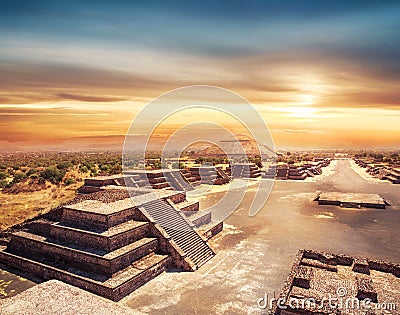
185	237
191	178
85	258
135	177
188	206
114	288
189	244
202	257
142	183
91	214
177	181
223	174
107	240
160	185
200	218
180	231
211	229
157	180
131	182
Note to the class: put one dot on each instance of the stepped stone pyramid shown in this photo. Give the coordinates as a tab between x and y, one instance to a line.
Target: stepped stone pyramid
245	170
115	238
206	175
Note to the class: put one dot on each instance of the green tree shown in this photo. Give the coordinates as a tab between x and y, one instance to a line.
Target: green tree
3	183
83	169
53	174
18	176
31	171
63	165
116	169
69	181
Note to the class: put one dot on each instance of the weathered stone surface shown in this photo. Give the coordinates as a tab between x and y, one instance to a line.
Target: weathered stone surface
365	289
112	241
351	200
361	266
347	286
303	276
55	297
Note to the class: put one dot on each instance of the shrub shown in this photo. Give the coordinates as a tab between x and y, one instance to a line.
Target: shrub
105	168
18	176
69	181
64	165
3	175
53	174
116	169
3	183
31	171
84	169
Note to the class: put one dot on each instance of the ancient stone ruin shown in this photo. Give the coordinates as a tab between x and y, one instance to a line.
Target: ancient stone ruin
351	200
347	281
116	235
298	171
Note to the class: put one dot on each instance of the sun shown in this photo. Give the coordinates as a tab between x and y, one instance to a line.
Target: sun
302	112
303	108
307	99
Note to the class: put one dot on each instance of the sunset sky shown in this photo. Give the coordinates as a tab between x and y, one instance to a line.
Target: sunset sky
323	74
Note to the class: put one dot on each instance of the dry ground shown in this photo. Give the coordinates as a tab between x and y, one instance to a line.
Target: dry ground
16	208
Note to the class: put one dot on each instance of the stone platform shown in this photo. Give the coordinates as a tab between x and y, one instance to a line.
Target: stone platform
55	297
351	200
316	276
114	240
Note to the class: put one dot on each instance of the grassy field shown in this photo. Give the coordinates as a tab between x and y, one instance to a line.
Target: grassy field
16	208
32	183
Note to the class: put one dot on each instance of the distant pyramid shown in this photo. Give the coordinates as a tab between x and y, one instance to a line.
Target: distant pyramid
243	145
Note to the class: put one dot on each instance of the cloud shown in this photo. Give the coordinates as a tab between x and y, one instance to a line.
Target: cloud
61	111
89	98
302	131
33	76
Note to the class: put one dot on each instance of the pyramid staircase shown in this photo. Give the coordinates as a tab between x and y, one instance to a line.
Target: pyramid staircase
221	174
94	184
282	171
192	179
269	172
181	231
297	172
201	220
112	248
153	178
210	175
156	179
177	181
245	170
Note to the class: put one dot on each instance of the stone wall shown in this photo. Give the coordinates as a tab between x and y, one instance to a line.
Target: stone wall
167	246
94	220
115	294
80	259
178	197
89	238
214	230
